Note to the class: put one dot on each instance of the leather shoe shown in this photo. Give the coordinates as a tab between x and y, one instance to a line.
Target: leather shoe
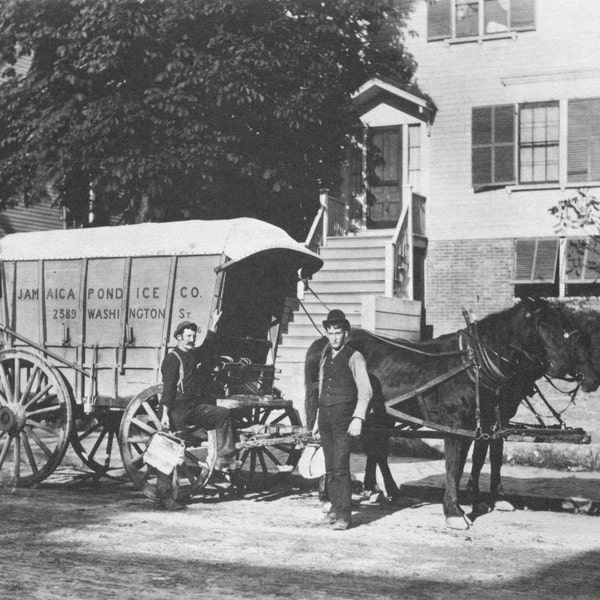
340	525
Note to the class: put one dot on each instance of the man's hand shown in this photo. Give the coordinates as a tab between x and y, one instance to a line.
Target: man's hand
355	427
164	420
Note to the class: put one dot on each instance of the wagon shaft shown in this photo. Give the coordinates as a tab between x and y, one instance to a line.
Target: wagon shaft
546	435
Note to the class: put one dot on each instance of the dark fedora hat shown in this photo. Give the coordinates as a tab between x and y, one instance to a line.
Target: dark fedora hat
336	317
184	325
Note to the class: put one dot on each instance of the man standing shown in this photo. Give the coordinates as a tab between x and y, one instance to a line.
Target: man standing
188	397
344	395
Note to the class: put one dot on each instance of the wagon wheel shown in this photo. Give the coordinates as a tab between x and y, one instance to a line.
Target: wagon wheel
35	418
269	460
95	440
140	421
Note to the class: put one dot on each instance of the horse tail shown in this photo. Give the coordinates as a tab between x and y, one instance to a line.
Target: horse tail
311	380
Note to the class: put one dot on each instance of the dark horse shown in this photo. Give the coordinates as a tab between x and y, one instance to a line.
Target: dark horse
582	329
433	381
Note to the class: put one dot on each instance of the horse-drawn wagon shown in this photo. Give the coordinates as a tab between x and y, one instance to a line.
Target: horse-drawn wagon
86	320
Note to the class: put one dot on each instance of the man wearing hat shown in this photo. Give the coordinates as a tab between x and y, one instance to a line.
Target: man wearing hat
344	395
188	399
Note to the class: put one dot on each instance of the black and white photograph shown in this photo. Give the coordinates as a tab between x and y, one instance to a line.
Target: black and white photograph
299	299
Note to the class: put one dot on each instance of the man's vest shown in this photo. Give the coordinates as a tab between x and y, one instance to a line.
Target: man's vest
338	383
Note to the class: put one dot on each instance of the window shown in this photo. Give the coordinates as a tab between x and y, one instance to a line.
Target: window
386	155
492	135
493	144
583	146
537	270
478	18
536	267
538	142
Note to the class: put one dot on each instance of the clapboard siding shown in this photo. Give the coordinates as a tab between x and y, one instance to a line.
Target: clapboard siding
557	61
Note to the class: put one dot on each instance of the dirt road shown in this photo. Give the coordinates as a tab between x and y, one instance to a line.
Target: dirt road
80	542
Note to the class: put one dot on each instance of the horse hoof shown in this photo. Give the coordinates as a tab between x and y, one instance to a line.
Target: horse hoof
461	523
504	506
481	508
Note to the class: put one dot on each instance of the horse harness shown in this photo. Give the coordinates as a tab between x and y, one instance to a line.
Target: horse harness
482	370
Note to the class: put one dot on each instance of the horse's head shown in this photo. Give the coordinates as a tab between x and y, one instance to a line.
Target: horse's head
542	334
584	345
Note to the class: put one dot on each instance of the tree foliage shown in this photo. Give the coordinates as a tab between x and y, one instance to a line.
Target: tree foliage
171	109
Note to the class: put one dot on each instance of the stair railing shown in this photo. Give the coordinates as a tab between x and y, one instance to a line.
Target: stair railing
399	251
331	221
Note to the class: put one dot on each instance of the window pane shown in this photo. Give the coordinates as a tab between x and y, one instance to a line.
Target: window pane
522	14
438	19
552	163
495	14
467	18
539	164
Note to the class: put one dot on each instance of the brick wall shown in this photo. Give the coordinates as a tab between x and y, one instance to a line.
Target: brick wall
474	274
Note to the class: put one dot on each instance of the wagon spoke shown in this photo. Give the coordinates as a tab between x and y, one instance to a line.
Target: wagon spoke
29	452
5	385
41	444
17	457
262	420
29	385
41	411
35	424
95	447
271	456
280	418
39	395
143	426
91	429
263	464
17	379
284	448
5	448
152	415
244	457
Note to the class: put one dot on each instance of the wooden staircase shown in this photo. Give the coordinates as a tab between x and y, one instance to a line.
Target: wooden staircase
354	268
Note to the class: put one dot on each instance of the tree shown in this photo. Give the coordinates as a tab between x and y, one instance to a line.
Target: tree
168	109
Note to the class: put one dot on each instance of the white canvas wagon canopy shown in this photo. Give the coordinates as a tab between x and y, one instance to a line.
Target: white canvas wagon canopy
236	239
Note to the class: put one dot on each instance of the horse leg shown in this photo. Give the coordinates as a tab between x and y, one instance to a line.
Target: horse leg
456	450
370	480
480	449
496	455
391	489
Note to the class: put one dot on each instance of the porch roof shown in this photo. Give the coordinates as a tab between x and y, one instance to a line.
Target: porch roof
377	91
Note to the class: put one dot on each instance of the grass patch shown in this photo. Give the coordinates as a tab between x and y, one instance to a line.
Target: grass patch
579	458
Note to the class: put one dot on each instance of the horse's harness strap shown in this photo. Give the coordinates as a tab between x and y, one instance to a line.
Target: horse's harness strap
449	430
431	384
414	350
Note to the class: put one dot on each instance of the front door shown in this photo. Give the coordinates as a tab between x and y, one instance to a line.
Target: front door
384	160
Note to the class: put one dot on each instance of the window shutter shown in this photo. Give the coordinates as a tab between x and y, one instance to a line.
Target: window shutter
492	136
536	260
522	15
583	146
583	260
438	19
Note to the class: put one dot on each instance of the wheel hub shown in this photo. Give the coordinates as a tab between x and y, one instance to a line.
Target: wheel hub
7	419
